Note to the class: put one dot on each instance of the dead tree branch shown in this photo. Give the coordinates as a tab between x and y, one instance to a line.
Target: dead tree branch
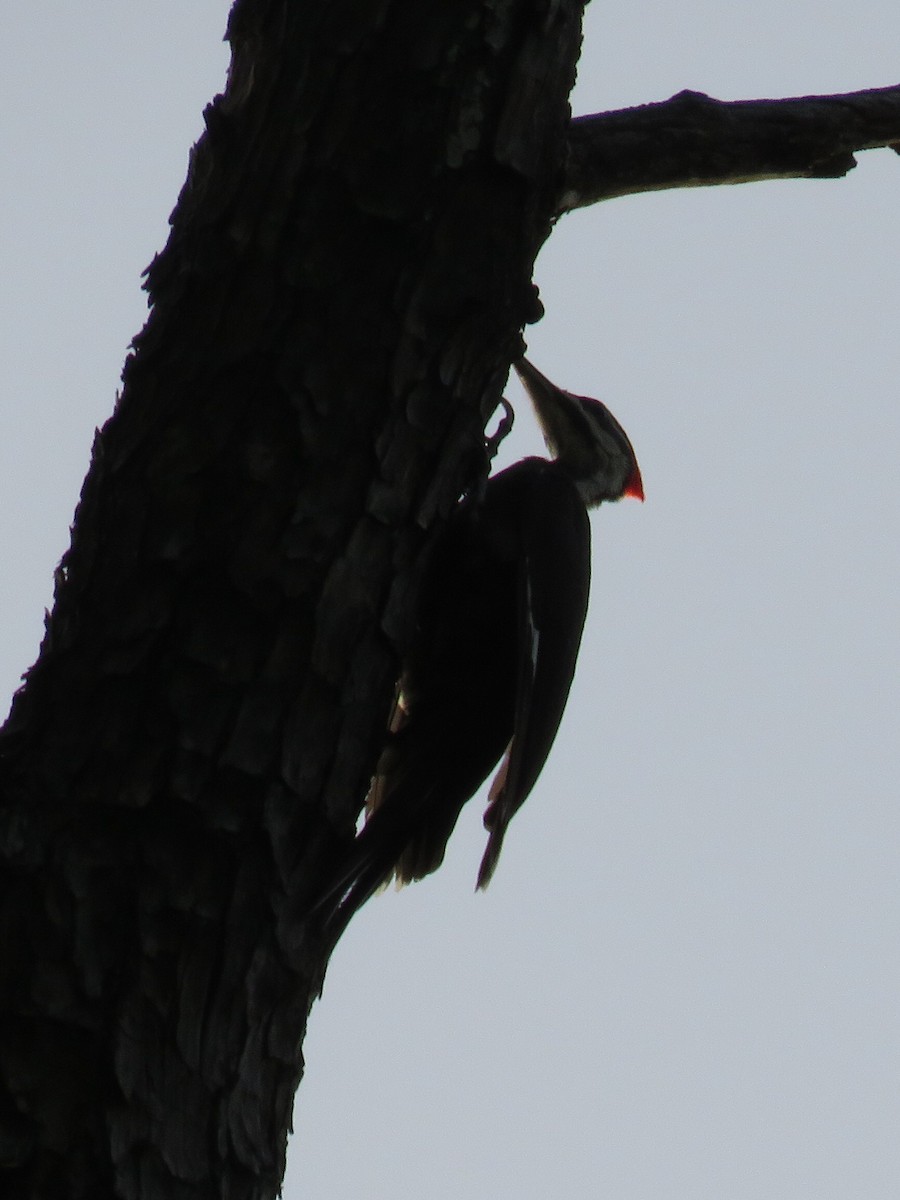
693	140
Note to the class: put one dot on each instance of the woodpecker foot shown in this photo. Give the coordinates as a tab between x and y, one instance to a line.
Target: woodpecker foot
492	443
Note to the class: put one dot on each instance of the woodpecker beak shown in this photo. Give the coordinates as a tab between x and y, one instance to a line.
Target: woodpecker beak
549	403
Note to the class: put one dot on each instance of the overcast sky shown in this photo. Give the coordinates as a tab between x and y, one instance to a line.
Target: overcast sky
684	980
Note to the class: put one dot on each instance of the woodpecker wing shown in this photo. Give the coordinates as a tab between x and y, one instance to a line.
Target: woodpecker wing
501	619
457	703
552	597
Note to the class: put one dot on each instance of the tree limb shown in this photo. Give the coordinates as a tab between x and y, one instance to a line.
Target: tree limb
693	140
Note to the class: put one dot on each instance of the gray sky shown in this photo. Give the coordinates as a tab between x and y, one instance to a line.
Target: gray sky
684	980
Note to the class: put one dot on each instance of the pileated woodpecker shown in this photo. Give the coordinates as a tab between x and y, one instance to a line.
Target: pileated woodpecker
488	674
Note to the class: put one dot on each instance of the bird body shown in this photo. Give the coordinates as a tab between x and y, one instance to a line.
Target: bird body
509	582
490	666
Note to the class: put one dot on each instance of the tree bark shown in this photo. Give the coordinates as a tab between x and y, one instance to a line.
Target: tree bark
345	283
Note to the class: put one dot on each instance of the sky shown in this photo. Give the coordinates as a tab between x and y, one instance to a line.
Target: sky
683	982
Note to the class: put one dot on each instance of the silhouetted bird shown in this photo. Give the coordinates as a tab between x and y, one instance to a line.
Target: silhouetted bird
488	675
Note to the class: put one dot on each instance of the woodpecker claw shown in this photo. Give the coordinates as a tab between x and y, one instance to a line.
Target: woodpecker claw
492	443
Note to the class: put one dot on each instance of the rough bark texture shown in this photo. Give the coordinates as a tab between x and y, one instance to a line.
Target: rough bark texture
344	286
693	140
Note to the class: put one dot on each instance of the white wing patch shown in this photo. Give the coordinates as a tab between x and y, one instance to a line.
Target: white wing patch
534	632
499	780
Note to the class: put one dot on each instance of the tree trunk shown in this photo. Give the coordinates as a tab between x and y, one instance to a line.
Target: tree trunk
332	319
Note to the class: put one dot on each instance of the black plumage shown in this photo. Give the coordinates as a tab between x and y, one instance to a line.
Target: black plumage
491	663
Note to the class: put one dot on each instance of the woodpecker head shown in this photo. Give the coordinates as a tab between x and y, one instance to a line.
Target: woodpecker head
585	439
